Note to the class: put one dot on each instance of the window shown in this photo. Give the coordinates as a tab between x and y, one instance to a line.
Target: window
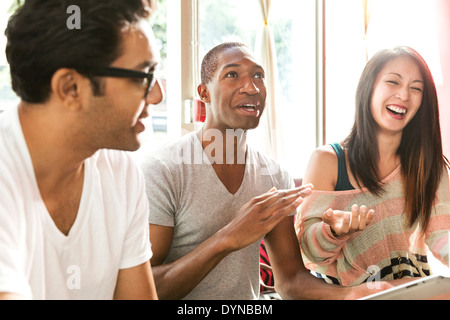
189	28
157	124
315	111
158	119
215	25
159	26
345	60
348	45
293	26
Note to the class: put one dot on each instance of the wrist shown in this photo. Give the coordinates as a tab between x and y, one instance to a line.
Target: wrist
331	235
223	242
334	233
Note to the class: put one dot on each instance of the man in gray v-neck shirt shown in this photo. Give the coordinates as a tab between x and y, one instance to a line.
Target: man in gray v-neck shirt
212	198
191	199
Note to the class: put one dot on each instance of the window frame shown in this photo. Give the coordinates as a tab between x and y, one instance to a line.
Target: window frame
189	43
190	63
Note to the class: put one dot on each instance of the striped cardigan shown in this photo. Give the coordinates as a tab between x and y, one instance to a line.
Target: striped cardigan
387	249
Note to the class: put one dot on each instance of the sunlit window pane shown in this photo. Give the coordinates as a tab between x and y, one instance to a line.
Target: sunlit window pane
159	26
391	23
293	27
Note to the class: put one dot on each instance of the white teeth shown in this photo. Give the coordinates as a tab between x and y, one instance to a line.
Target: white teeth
253	107
397	109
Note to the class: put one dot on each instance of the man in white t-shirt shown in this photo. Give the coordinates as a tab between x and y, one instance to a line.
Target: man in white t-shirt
213	198
73	209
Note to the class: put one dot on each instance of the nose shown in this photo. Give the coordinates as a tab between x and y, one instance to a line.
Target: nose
403	93
156	93
249	86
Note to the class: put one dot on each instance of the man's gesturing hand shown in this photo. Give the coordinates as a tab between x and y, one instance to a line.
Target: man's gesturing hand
261	214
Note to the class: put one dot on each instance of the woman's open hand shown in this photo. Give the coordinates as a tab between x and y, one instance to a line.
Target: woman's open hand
345	223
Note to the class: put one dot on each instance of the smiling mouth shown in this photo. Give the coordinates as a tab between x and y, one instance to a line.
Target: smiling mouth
249	107
251	110
397	110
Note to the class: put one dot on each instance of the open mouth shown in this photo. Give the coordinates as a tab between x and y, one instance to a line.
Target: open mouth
249	107
249	110
397	111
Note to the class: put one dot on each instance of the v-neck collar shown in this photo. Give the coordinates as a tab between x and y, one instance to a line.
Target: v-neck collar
49	224
206	160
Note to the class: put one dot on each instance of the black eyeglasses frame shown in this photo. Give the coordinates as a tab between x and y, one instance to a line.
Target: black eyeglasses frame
121	73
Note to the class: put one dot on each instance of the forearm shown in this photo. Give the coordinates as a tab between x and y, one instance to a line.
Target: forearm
320	245
292	280
11	296
135	283
255	219
304	286
307	287
437	235
177	279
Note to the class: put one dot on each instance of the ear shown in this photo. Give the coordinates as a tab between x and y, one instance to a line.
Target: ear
203	93
67	86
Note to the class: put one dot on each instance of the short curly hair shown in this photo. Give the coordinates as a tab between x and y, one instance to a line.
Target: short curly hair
39	42
210	61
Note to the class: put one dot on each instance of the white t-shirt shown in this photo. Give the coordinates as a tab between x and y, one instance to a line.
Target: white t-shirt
110	231
185	193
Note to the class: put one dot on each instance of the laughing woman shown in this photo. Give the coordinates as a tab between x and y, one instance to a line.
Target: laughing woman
382	195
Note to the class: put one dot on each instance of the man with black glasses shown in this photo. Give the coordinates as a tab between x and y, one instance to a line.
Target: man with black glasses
73	210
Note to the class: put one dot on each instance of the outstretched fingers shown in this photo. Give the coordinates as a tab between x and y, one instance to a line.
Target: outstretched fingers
261	214
302	190
346	223
280	203
355	219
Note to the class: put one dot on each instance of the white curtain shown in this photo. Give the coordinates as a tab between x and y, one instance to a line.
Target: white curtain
367	11
267	137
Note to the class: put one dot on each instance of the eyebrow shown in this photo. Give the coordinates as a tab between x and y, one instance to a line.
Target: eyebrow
400	76
146	64
235	65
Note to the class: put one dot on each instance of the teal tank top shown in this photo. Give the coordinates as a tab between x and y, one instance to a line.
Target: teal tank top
343	182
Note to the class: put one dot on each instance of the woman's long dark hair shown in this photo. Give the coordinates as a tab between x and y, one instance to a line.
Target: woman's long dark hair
420	150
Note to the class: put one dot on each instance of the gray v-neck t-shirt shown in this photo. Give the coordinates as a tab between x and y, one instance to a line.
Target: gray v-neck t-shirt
184	192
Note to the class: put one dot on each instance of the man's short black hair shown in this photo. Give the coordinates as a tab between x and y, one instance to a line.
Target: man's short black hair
209	63
39	41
